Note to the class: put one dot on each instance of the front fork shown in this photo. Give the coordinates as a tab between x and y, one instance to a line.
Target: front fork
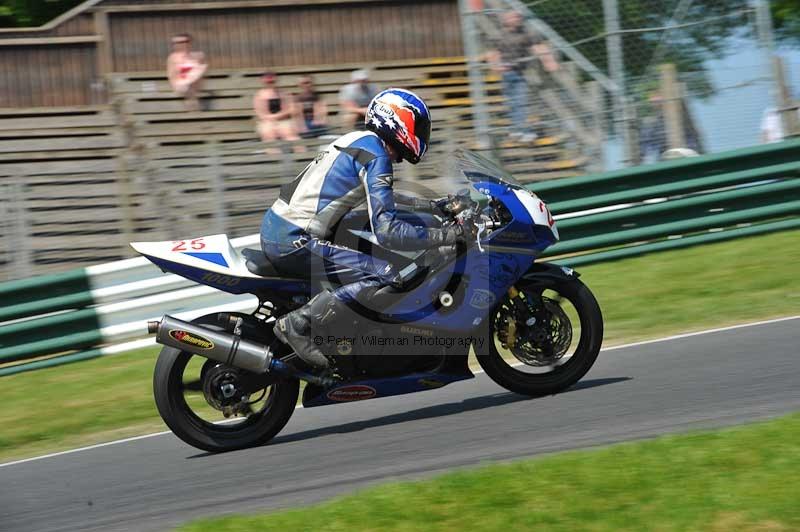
523	314
520	309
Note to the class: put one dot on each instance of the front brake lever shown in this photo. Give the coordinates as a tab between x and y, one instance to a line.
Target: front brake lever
481	228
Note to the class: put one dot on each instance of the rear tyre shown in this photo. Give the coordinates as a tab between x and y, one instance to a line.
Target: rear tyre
248	431
509	371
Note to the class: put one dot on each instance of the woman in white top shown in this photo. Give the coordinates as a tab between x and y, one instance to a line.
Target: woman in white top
185	69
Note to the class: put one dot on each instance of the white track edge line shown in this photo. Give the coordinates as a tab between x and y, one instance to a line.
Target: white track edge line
698	333
612	348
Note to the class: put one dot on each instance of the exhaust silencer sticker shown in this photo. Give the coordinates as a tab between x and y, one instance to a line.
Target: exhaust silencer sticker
356	392
195	340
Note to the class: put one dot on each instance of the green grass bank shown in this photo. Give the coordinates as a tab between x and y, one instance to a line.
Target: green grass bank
730	480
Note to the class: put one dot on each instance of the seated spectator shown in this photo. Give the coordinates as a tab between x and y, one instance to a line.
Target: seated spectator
354	99
313	110
185	70
276	113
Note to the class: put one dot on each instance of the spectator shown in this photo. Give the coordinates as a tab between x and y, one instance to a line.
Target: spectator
185	70
276	113
313	110
652	130
771	126
654	140
512	55
354	99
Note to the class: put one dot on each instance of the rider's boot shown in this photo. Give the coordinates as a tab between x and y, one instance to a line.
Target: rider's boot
294	329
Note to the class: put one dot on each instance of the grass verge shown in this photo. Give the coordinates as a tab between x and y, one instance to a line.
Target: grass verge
728	480
732	282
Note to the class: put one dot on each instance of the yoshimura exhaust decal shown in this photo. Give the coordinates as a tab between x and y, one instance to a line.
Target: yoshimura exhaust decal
195	340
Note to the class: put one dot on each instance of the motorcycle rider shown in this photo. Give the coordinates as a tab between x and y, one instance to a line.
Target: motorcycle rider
355	168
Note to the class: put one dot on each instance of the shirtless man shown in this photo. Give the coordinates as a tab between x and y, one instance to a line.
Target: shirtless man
185	70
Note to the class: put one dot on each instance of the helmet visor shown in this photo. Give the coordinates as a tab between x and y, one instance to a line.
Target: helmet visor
422	128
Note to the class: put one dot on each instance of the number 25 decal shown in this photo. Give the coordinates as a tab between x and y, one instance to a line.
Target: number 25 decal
196	244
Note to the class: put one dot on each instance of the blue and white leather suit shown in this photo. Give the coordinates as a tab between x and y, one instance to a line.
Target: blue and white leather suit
354	169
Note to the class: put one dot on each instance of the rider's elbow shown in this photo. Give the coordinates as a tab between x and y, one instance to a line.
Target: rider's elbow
383	235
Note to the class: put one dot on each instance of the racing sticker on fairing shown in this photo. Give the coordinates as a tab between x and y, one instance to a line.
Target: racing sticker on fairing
356	392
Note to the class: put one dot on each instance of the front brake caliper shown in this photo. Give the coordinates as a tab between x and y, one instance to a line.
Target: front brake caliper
511	334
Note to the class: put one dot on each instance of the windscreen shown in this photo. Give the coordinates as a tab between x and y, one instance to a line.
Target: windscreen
478	168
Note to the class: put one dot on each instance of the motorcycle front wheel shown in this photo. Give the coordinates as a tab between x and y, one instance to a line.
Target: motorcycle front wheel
543	339
187	388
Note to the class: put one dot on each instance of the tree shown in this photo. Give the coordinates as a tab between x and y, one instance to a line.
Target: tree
786	19
701	30
705	29
23	13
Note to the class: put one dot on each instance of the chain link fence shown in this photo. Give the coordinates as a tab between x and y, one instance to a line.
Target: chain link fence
635	81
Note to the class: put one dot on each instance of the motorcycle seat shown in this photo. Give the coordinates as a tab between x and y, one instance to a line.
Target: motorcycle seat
258	263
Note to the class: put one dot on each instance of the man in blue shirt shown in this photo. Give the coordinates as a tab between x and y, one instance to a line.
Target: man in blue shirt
354	169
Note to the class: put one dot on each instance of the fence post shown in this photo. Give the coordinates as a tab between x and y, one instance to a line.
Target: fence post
470	38
19	244
218	189
125	197
5	232
673	111
594	93
766	40
159	194
786	106
616	66
103	48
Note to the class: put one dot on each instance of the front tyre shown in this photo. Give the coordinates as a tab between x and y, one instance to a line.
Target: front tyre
183	386
543	340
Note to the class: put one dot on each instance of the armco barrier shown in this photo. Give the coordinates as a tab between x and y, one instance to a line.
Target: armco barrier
86	313
95	306
748	159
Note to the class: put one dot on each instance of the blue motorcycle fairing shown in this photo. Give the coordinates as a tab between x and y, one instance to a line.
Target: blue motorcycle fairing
521	232
480	279
477	281
384	387
234	284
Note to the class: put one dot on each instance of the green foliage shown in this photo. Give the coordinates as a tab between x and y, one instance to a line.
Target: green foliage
786	19
688	47
25	13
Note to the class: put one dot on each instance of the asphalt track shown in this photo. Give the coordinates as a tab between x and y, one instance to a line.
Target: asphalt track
714	379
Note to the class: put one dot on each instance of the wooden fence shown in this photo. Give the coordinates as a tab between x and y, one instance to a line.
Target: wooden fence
79	183
67	61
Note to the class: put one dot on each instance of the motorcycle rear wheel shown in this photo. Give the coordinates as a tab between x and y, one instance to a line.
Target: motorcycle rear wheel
510	374
255	429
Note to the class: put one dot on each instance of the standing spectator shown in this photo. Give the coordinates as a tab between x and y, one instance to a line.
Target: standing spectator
185	70
276	113
354	99
513	53
771	126
313	110
653	130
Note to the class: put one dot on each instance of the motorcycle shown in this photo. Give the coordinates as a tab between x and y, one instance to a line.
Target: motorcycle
224	382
